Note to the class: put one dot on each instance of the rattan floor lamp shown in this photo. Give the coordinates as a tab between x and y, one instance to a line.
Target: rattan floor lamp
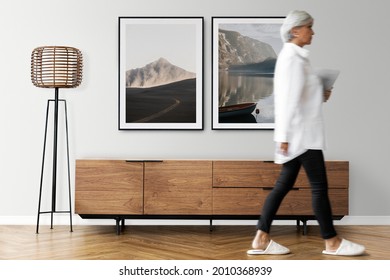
55	67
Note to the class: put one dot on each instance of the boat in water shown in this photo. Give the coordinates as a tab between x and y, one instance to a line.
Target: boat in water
237	110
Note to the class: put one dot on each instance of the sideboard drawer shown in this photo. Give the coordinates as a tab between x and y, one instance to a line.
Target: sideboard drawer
237	201
245	174
250	201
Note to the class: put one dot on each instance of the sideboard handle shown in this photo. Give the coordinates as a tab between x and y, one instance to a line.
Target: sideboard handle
146	160
270	189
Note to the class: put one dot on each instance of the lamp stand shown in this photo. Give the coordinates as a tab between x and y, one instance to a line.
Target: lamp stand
53	210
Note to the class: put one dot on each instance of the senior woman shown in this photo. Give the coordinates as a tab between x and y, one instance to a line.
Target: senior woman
299	139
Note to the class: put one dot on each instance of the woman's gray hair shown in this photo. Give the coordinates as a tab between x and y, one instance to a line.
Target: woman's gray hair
293	19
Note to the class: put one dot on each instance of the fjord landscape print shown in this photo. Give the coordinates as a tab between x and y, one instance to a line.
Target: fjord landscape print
244	57
161	73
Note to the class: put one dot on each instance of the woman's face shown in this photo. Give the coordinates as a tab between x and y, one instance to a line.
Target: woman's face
302	35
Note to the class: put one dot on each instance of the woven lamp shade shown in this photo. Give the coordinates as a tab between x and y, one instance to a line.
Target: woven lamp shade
56	67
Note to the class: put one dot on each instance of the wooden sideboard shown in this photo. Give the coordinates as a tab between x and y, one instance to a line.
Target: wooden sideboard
196	189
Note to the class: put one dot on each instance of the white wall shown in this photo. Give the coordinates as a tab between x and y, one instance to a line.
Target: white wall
350	35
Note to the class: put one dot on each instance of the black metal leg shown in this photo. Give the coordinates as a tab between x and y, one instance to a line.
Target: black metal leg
43	166
211	225
55	143
304	232
123	224
67	153
118	227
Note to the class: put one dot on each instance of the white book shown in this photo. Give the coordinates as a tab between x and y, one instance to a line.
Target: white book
328	77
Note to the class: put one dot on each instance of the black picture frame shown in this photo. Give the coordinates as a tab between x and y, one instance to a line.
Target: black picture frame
160	73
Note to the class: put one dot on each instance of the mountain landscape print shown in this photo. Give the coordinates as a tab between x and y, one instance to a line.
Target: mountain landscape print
160	93
160	73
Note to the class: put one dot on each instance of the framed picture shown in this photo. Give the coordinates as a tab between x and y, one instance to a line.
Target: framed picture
160	73
244	53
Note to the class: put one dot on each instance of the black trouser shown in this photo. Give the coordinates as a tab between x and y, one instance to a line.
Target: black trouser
314	165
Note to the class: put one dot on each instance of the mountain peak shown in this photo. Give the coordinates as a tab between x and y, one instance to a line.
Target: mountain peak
162	60
156	73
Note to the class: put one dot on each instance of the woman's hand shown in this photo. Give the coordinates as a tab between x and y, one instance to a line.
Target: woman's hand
327	94
283	148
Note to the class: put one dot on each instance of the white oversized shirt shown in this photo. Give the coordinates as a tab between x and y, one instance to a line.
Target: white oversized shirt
298	94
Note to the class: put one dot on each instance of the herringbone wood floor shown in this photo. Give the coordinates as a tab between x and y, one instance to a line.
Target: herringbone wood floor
177	243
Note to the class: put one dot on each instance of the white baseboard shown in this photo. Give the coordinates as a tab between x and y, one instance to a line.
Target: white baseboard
64	219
